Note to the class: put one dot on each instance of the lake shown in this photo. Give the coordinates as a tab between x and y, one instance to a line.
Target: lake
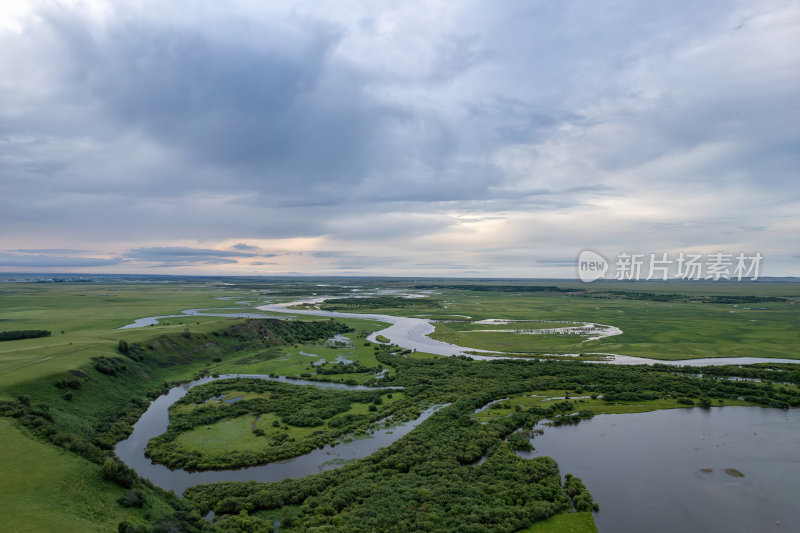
665	471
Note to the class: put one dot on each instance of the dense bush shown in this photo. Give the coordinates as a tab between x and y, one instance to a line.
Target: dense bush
580	497
132	498
110	366
116	471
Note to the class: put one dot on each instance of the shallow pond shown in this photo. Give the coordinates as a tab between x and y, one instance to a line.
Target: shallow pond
156	419
665	471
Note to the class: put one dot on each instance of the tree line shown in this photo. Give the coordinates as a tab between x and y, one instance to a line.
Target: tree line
16	335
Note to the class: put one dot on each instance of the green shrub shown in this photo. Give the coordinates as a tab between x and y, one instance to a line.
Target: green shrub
132	498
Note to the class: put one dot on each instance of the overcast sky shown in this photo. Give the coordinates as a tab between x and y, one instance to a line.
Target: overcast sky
395	138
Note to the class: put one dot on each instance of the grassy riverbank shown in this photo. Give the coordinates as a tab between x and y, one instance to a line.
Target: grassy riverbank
565	522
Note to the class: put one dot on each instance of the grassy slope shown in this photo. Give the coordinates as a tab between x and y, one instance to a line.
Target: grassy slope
89	315
79	490
45	488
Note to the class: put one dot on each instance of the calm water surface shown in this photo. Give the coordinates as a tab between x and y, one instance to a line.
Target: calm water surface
645	469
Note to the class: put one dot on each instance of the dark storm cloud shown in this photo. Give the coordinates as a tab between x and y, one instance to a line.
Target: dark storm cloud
267	108
258	108
265	105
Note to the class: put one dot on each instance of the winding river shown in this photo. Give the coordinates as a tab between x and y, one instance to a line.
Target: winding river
413	334
155	420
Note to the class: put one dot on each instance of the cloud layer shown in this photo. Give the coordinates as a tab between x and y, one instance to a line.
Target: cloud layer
423	138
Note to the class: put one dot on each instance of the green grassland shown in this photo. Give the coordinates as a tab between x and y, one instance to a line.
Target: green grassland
565	522
653	329
237	434
85	318
659	320
462	326
45	487
85	321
